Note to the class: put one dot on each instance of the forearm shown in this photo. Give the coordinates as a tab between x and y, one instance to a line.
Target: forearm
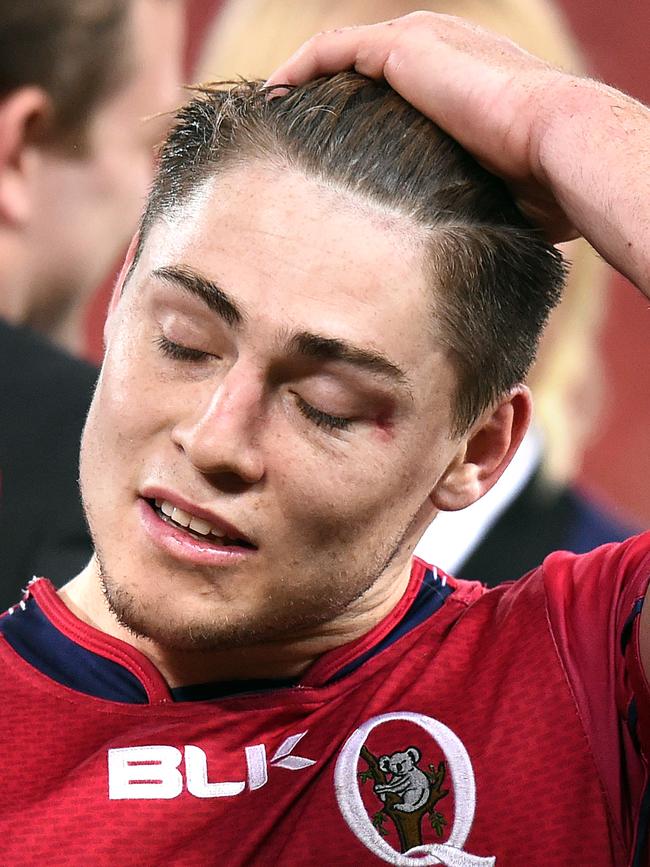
575	153
593	150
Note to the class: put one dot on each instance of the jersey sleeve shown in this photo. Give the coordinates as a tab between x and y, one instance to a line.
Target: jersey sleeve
594	603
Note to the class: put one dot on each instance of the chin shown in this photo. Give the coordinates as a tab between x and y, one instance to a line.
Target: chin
199	625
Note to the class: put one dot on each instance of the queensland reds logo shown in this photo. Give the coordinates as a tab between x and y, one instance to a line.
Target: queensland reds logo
406	793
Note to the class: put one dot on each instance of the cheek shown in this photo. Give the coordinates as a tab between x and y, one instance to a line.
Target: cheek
340	498
97	468
108	439
120	428
129	401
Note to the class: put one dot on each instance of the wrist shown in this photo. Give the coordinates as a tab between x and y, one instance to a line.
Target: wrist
554	105
590	146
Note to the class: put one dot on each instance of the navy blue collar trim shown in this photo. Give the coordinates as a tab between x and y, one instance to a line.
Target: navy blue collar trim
48	650
642	835
431	596
626	632
31	634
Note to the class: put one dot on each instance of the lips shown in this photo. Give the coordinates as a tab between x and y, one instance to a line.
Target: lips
195	525
195	521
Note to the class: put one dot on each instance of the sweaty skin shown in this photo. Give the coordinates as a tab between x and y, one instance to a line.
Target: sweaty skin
225	436
330	468
575	152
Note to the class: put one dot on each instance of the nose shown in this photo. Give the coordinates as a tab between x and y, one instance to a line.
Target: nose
220	434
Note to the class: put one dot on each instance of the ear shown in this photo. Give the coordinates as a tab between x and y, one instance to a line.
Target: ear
119	287
484	452
384	764
23	113
414	754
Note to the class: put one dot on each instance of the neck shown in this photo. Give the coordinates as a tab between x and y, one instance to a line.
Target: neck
64	328
15	295
285	657
25	300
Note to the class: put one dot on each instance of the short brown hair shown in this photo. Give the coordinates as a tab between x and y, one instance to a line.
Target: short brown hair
73	49
494	279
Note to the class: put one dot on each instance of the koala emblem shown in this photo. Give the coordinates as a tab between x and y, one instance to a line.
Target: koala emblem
407	780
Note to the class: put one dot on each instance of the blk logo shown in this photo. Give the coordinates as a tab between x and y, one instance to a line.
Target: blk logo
153	772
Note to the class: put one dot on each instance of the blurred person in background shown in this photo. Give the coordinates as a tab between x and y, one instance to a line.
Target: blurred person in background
533	509
83	84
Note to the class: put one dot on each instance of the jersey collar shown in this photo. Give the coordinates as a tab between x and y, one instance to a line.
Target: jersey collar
48	636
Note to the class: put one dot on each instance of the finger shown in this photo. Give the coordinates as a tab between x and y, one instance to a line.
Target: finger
362	48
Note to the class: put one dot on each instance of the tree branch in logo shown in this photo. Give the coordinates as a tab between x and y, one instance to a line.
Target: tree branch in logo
408	793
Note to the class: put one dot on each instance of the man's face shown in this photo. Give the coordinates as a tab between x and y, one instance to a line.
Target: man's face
88	203
302	411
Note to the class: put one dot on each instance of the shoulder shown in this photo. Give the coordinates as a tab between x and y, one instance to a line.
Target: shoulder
585	598
584	594
599	577
593	605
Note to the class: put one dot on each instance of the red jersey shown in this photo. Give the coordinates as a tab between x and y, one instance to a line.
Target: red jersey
507	727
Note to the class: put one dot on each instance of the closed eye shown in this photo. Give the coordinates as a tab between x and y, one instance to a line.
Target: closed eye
178	352
322	419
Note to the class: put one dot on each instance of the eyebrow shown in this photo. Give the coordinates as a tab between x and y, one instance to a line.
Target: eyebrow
333	349
304	343
215	298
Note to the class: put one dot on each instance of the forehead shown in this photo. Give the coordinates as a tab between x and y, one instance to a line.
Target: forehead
294	250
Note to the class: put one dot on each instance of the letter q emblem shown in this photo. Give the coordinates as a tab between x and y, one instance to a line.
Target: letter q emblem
450	853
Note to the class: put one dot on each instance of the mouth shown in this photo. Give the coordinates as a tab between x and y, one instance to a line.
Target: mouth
196	527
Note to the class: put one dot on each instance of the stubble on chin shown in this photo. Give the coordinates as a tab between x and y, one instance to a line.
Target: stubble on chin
284	617
213	630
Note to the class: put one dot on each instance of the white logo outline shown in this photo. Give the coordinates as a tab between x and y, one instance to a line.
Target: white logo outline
355	814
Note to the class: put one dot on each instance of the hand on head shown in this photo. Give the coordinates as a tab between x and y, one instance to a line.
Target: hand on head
479	87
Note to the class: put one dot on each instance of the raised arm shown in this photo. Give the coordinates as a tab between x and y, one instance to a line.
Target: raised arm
575	152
